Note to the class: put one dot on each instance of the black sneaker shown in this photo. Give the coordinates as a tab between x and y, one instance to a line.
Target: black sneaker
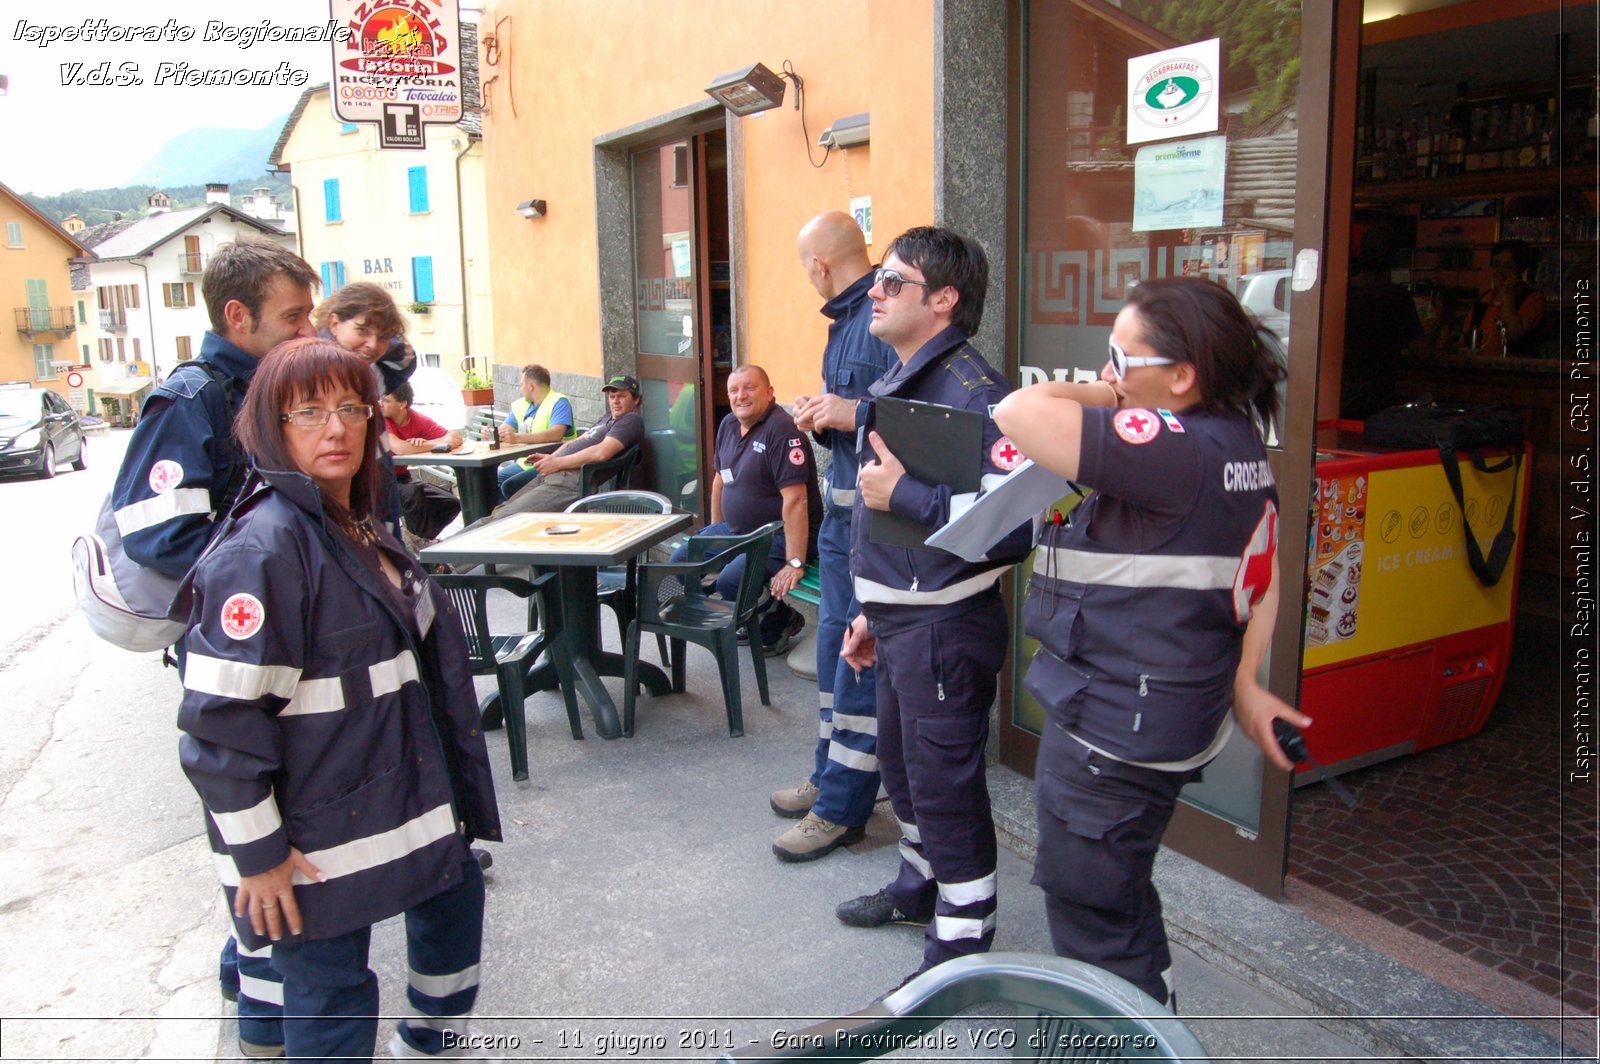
785	638
877	910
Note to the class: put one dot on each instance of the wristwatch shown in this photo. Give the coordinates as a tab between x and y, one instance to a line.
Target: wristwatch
796	563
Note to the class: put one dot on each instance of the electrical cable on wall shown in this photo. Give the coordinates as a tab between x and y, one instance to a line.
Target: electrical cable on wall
800	105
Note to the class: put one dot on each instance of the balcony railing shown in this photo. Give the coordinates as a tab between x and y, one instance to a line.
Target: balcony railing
114	320
192	263
32	321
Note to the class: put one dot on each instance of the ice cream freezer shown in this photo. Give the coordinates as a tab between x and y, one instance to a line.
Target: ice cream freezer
1405	648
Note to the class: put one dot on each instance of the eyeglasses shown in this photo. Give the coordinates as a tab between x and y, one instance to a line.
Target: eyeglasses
312	417
1122	362
892	282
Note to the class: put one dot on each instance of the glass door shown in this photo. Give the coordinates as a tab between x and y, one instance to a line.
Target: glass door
664	277
1103	209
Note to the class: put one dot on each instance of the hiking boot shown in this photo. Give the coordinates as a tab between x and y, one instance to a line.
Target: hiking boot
814	837
794	802
877	910
259	1051
781	642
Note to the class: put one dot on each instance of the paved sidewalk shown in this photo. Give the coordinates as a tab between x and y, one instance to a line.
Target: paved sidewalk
635	902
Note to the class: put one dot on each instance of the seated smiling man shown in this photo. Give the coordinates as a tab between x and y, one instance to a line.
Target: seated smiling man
765	472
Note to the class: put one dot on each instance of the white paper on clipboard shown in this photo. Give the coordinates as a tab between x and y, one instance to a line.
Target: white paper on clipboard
1021	496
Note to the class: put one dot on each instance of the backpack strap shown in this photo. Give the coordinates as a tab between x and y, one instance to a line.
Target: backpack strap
1488	569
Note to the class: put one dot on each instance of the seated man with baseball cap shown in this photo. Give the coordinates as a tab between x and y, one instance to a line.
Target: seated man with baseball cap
559	480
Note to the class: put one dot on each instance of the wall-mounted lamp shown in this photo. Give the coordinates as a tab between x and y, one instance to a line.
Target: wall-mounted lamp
748	90
5	84
533	208
847	132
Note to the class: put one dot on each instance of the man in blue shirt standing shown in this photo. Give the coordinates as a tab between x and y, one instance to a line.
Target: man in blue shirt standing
836	800
181	472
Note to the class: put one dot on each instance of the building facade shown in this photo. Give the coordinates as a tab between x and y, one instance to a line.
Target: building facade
410	221
35	275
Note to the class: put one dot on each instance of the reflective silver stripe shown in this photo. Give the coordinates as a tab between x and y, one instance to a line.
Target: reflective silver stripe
260	989
825	730
1213	748
845	497
361	854
207	675
909	831
315	696
389	676
456	1025
442	986
1188	572
840	754
825	699
915	860
955	928
227	871
851	723
264	951
872	591
968	893
248	825
180	502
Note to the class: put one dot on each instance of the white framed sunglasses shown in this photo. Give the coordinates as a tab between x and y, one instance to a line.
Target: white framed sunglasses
1122	362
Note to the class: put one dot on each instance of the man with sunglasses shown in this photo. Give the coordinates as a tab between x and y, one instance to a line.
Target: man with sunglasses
934	624
835	802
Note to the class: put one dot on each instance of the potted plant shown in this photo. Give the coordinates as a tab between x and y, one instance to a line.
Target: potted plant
475	391
419	307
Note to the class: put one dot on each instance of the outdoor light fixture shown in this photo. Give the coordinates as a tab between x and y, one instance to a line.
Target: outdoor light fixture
749	90
5	84
846	132
530	209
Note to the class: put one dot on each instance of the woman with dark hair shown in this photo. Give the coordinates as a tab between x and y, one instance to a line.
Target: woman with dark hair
331	723
1510	316
1153	605
362	317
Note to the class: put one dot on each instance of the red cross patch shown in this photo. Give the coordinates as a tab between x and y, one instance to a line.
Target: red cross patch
1254	575
165	475
1136	425
242	616
1004	455
797	457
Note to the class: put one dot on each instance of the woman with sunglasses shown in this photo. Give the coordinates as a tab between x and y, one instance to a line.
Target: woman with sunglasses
331	723
1153	605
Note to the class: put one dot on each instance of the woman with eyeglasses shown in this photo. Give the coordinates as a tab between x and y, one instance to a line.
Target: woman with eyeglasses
1153	604
330	722
362	317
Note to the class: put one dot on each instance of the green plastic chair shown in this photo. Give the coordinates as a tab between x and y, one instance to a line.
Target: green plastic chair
619	584
593	476
1065	1010
509	656
673	603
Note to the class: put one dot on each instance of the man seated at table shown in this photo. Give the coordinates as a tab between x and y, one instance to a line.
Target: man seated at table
559	483
426	509
539	416
766	471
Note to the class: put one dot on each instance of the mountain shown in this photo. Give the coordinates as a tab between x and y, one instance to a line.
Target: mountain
199	156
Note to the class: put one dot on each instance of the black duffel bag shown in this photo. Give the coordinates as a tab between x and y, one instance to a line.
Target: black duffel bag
1424	424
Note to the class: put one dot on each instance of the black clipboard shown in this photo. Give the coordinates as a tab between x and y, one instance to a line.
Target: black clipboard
937	445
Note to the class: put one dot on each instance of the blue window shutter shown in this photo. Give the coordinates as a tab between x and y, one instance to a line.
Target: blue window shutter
422	277
326	269
338	274
330	201
417	179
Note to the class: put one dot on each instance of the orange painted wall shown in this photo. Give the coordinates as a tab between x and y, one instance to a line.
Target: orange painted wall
577	70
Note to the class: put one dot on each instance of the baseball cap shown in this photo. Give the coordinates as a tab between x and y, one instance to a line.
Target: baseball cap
621	380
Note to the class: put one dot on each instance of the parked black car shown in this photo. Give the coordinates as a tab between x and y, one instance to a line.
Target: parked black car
38	430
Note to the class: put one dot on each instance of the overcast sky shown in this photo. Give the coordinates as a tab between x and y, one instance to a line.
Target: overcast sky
60	137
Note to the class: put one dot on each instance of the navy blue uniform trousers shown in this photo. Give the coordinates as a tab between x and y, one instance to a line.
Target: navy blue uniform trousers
936	684
330	996
846	771
1100	825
